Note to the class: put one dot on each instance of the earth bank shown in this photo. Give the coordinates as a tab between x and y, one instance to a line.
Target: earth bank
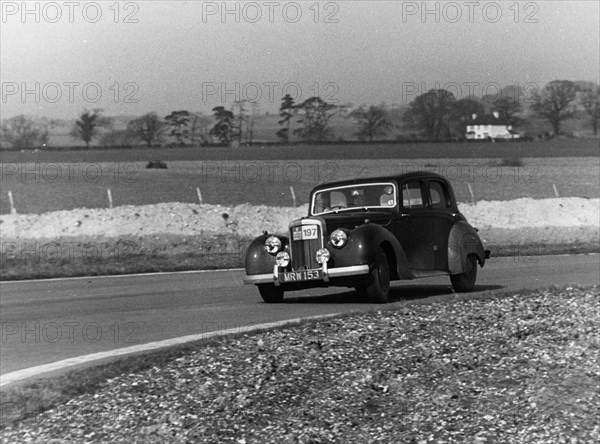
177	236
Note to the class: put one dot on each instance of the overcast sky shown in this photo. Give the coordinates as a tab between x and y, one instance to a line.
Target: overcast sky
165	56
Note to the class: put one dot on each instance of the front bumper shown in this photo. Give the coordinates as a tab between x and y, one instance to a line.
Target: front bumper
326	274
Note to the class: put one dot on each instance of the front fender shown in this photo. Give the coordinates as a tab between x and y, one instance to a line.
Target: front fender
257	260
362	247
462	241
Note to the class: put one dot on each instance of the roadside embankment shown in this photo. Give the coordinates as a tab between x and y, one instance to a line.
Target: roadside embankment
180	236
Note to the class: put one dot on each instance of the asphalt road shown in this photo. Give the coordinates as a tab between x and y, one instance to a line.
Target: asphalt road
47	321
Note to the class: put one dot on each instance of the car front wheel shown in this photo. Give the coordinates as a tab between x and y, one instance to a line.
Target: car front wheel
378	288
270	293
465	281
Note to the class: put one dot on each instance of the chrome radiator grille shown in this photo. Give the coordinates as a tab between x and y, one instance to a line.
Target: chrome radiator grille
303	251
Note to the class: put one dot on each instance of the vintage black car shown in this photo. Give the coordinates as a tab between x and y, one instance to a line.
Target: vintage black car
365	233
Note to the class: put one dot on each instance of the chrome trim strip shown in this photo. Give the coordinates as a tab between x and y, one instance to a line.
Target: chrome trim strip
349	271
258	279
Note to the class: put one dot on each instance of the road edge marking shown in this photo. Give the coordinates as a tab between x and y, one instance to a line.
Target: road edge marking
31	372
107	276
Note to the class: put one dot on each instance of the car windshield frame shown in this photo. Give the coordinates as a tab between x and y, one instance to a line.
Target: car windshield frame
337	209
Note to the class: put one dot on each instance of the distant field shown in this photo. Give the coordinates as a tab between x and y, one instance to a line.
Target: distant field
42	186
553	148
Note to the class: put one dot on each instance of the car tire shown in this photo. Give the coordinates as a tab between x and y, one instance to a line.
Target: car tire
361	290
378	288
464	282
270	293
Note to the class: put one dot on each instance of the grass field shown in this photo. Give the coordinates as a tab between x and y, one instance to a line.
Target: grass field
50	186
551	148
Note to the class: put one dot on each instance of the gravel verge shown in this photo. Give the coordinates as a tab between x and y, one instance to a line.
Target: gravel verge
518	368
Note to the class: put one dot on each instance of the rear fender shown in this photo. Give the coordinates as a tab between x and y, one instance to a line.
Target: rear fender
462	241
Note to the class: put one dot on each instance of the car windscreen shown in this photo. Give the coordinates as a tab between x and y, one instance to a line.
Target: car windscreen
353	197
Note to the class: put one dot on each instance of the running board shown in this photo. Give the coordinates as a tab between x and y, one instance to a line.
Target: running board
426	274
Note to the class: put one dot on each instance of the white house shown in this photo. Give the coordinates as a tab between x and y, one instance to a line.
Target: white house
489	127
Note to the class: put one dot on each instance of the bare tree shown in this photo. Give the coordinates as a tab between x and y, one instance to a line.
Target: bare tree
430	113
315	116
240	119
508	107
590	100
88	125
148	128
199	128
178	121
373	121
21	132
251	120
223	128
286	112
555	102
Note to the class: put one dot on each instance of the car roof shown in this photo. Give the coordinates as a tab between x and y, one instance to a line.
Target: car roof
397	178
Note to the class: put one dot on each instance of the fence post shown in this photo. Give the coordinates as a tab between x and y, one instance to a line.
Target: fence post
13	210
471	193
199	195
555	190
293	196
110	201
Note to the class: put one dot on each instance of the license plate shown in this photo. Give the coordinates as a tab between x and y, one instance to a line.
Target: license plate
298	276
304	232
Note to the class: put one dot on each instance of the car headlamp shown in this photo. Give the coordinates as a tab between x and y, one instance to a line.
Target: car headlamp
272	244
338	238
322	255
282	259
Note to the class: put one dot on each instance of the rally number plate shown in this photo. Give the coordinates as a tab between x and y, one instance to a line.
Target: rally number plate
304	232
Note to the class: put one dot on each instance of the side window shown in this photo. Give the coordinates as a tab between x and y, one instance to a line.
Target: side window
438	194
412	196
321	202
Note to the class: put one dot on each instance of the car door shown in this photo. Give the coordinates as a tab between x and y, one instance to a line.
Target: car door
425	220
442	217
414	225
